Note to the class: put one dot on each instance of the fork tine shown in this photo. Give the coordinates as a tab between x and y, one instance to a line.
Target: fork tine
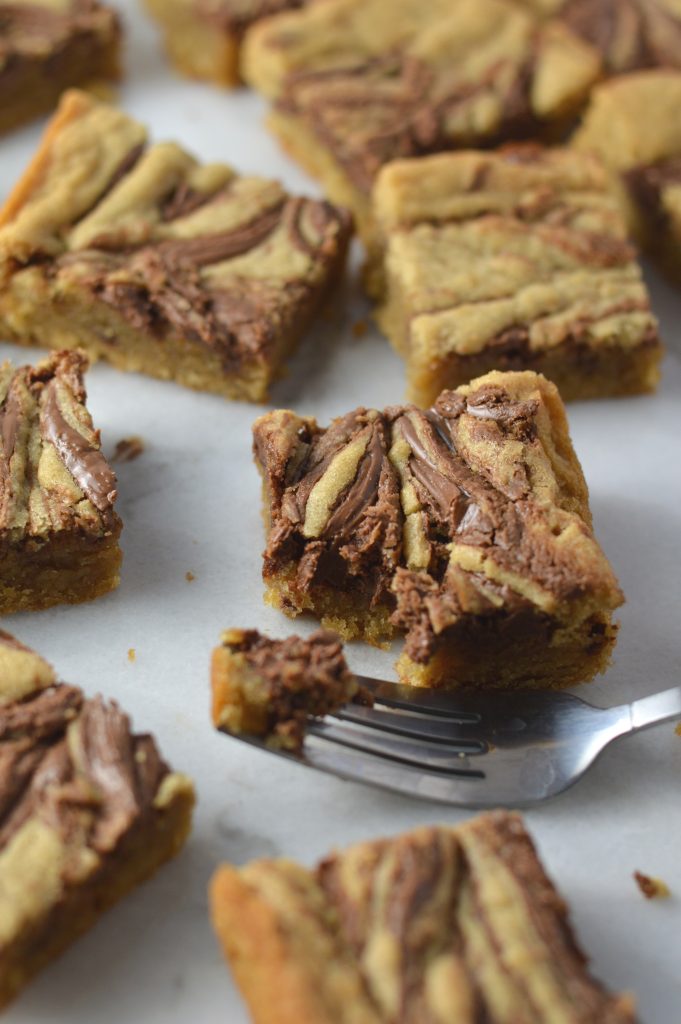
422	727
418	700
418	754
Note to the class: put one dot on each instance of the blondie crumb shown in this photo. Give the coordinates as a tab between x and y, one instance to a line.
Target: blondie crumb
652	888
270	688
128	449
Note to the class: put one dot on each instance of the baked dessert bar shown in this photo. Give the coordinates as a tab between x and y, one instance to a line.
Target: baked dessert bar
142	256
269	688
629	34
439	924
58	528
203	37
465	526
359	83
634	127
511	260
88	810
47	46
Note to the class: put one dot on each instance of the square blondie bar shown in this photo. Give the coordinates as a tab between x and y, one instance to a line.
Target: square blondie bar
358	83
439	924
47	46
512	260
632	124
203	37
465	526
629	34
88	811
269	688
142	256
58	528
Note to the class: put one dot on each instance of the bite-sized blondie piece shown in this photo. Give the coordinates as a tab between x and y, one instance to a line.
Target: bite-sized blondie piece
466	526
442	924
269	688
88	810
142	256
47	46
633	125
629	34
203	37
359	83
511	260
58	528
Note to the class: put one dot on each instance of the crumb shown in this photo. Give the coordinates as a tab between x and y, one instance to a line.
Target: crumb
652	888
360	329
128	448
132	654
190	577
678	729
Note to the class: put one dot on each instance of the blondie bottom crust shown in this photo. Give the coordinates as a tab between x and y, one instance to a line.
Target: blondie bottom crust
58	528
269	688
203	37
633	125
629	34
465	526
511	260
88	810
47	46
450	925
359	83
158	264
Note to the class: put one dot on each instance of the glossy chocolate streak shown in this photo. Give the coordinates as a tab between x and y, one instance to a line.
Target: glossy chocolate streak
225	16
85	463
647	183
362	493
9	422
201	252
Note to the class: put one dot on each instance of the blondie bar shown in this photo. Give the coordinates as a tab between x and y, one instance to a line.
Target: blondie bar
58	528
203	37
88	811
633	126
47	46
142	256
439	924
465	526
358	83
512	260
629	34
269	688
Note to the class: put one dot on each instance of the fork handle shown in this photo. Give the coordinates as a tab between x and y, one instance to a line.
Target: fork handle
661	707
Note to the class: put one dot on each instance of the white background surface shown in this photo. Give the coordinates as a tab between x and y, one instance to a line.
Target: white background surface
191	503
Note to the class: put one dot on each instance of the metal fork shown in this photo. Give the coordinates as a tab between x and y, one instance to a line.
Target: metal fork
472	749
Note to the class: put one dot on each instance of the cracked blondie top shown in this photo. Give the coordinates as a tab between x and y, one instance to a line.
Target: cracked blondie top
58	527
359	83
517	259
439	924
47	46
141	255
270	688
88	810
465	526
644	153
203	37
629	34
